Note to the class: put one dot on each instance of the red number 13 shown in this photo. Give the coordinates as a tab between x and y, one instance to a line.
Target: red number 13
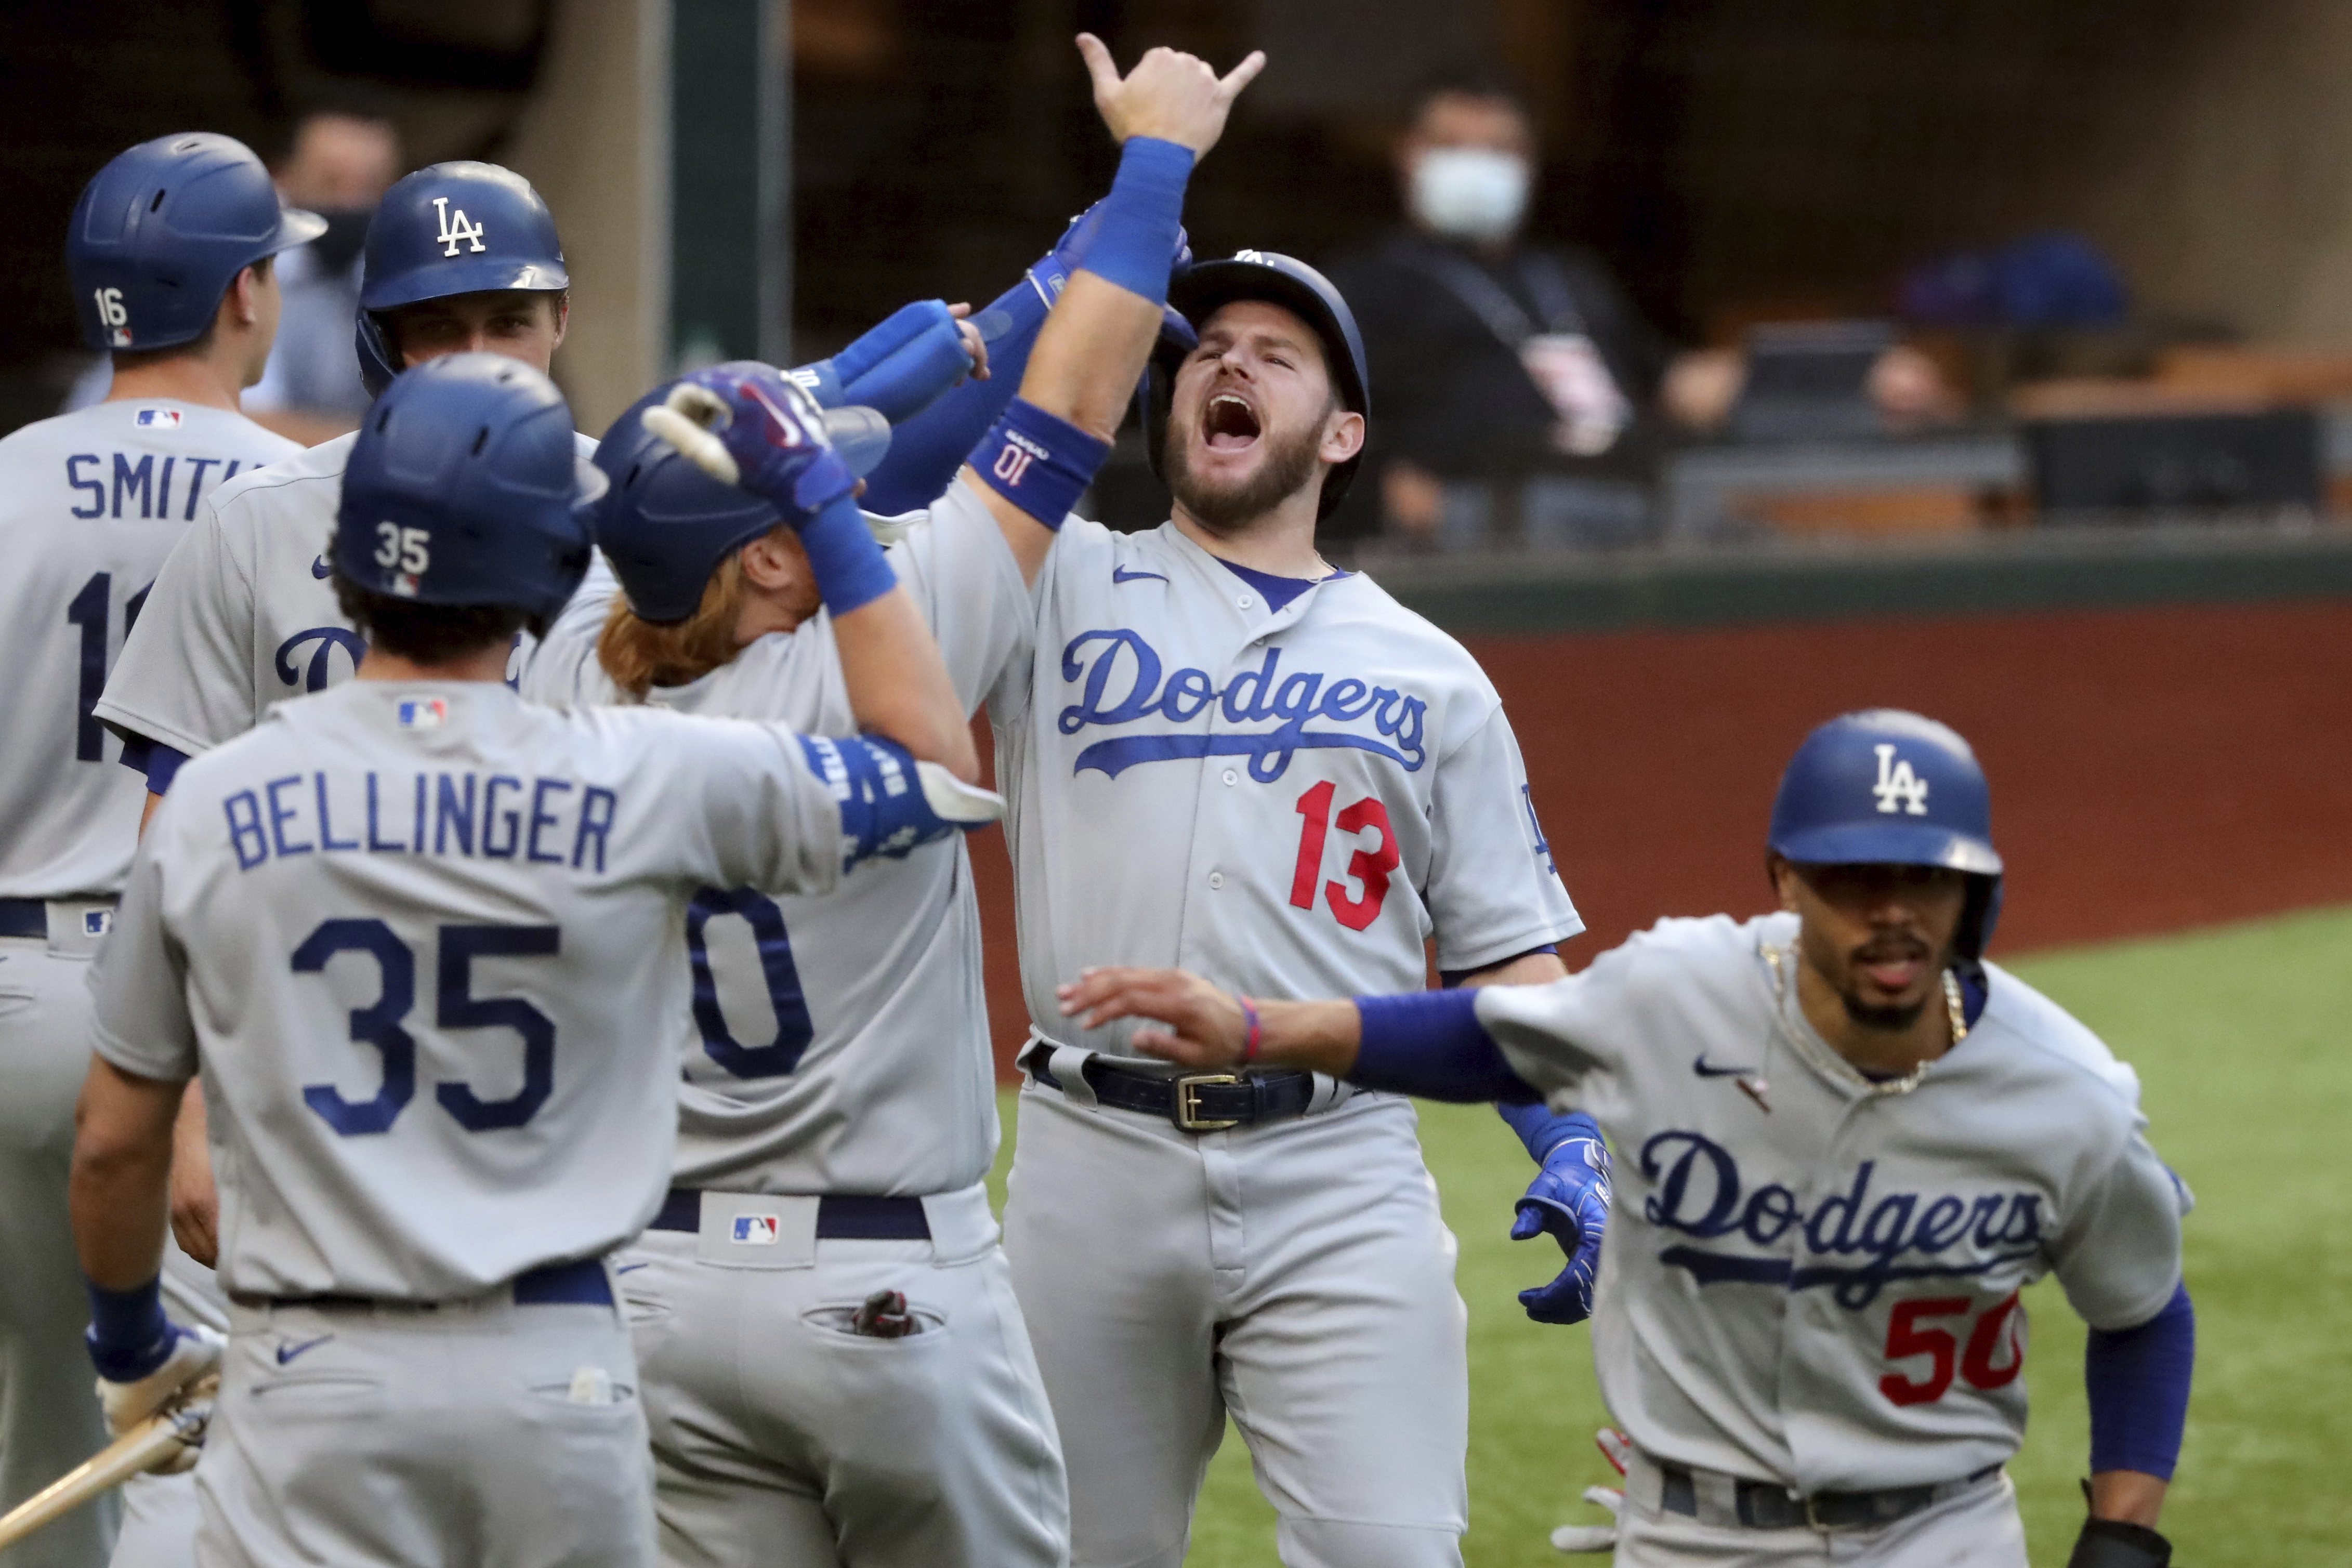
1369	868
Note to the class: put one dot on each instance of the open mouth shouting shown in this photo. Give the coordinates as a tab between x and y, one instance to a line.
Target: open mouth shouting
1229	424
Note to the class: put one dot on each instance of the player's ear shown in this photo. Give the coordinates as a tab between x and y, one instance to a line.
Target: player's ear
1784	879
562	314
775	562
1343	436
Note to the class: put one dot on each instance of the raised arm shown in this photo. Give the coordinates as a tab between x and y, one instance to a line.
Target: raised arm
748	425
1166	114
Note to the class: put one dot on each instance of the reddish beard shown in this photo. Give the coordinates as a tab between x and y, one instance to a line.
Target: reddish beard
1287	464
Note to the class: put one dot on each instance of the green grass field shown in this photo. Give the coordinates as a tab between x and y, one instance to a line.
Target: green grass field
2242	1040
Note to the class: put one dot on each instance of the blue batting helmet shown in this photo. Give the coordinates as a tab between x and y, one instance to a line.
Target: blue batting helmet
465	487
665	525
163	229
451	228
1883	787
1197	292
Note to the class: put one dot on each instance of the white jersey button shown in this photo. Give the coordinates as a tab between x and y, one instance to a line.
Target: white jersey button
1246	600
1232	776
1216	879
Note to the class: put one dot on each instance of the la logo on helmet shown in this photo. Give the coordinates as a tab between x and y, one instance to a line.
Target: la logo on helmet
1898	788
453	227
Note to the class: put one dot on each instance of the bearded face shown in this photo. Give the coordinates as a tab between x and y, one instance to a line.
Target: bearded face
1253	418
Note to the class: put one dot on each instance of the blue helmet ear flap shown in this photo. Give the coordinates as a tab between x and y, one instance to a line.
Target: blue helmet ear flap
1979	915
376	366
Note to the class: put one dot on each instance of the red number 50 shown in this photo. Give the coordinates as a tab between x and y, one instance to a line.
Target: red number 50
1370	868
1906	1338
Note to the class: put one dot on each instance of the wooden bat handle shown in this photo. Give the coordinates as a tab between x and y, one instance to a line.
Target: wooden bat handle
133	1453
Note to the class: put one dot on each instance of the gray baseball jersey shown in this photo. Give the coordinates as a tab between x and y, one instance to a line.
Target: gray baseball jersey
90	505
1813	1279
1288	801
242	616
837	1043
426	942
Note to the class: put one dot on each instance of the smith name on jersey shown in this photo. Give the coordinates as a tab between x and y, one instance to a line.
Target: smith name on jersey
93	502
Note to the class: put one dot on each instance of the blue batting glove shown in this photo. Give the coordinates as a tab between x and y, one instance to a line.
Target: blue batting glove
1569	1200
772	432
897	368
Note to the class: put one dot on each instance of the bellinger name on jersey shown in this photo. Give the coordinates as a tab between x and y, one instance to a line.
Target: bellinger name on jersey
1252	696
553	822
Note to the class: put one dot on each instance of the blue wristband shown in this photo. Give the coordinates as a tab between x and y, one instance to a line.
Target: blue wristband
1039	463
1543	1129
925	451
1135	246
128	1334
851	569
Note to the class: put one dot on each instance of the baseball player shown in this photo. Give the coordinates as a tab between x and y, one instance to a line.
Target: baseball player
170	253
1226	754
1845	1144
416	881
459	256
838	1114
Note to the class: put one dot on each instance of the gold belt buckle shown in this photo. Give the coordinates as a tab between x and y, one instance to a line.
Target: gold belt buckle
1188	1102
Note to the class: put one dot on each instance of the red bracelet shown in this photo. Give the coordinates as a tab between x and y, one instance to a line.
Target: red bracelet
1249	1012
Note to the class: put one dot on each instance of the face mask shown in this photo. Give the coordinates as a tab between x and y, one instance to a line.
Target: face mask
347	230
1470	192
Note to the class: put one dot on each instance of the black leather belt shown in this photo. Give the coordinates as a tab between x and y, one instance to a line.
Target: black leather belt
581	1283
840	1215
1193	1102
30	916
1762	1505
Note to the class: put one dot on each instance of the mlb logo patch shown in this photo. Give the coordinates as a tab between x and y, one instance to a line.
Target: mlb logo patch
119	336
755	1230
160	418
96	922
403	583
423	713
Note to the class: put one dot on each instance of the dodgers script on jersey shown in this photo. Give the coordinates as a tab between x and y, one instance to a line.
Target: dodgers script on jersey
1811	1279
406	1105
1287	801
838	1043
91	504
242	616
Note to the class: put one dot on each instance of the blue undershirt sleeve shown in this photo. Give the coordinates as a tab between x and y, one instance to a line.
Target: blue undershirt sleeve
1430	1043
158	761
2138	1383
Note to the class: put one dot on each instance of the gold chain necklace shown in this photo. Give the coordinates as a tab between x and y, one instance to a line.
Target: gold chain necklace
1955	1010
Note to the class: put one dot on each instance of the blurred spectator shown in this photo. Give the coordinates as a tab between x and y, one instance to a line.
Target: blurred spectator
337	165
1510	378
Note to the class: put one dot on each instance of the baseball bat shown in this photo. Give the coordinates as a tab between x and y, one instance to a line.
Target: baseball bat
182	1421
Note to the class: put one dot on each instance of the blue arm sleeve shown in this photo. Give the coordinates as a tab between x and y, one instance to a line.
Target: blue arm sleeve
158	761
925	451
1543	1129
1430	1043
2138	1383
